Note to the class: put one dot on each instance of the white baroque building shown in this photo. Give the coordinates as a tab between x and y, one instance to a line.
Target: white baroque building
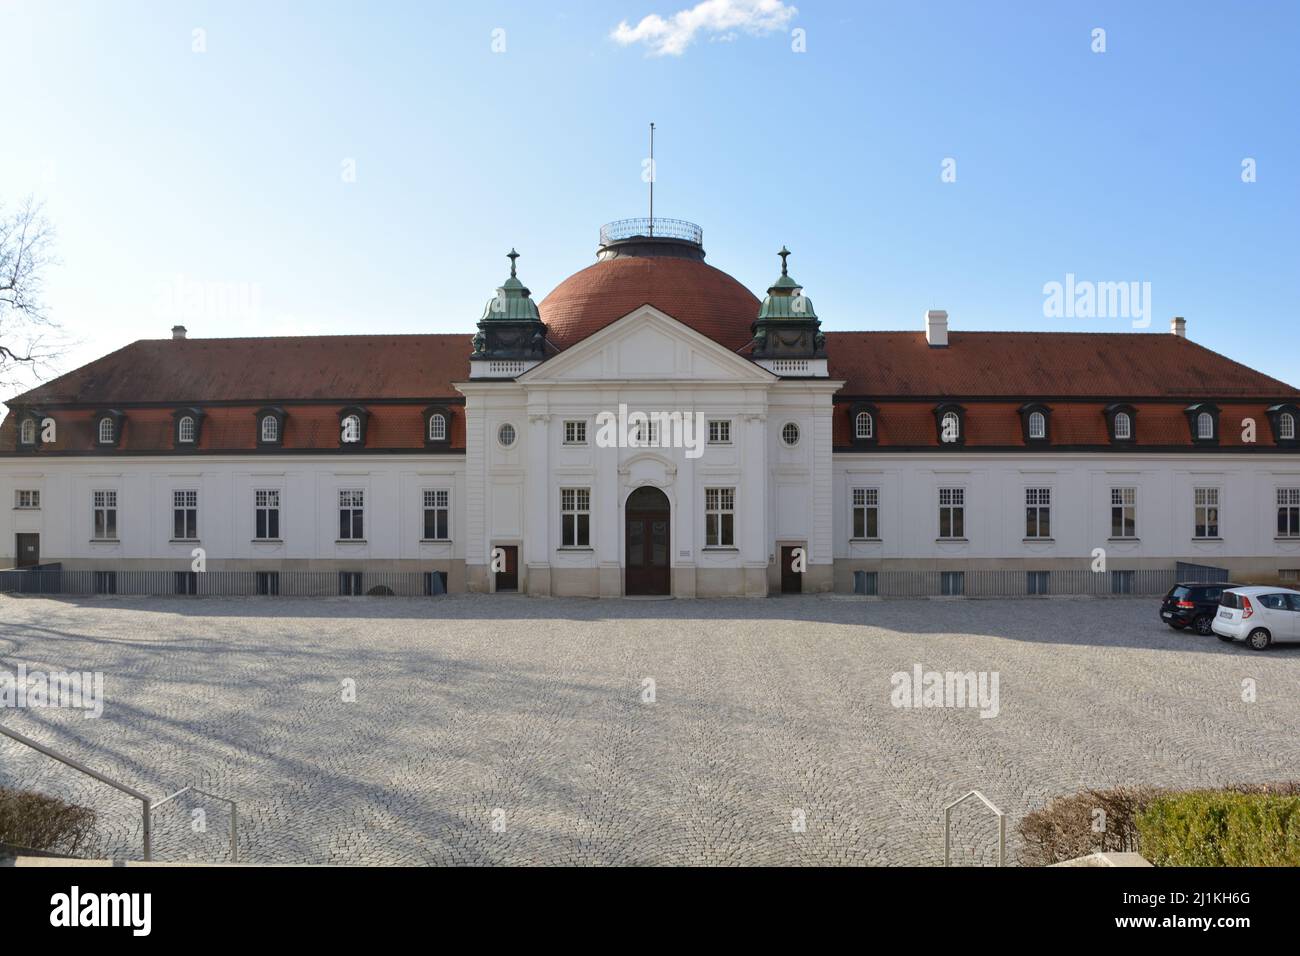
652	427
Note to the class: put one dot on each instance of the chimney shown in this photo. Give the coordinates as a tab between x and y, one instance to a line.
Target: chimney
936	328
178	331
1178	326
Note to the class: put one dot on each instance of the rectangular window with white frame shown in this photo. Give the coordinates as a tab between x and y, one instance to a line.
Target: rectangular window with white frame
185	515
866	514
575	517
719	517
1038	512
575	432
27	500
352	513
1123	512
437	514
266	514
720	431
952	513
644	433
1288	512
1206	513
104	505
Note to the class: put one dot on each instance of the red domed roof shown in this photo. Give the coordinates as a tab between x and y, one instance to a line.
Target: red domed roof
692	292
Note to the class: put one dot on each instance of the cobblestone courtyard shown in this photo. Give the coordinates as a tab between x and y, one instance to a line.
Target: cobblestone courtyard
495	729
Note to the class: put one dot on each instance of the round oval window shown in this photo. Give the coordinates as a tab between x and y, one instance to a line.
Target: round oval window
506	435
790	433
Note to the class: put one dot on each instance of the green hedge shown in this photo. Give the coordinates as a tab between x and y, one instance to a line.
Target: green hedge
1218	828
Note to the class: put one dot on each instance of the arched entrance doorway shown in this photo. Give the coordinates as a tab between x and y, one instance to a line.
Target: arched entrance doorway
646	570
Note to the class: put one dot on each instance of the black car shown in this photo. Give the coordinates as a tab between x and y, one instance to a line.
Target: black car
1193	605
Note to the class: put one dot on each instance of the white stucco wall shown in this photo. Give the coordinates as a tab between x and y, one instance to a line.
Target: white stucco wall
1081	508
309	523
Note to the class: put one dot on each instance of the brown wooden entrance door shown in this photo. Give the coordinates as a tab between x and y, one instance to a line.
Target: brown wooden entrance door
508	579
647	568
791	580
29	550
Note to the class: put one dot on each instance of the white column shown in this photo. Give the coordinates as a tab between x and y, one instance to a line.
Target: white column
475	506
537	502
607	507
753	531
821	541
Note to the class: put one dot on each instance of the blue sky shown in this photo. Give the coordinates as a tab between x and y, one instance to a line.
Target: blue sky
226	167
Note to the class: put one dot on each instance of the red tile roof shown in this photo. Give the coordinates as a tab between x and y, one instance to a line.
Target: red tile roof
1097	365
346	368
396	376
692	292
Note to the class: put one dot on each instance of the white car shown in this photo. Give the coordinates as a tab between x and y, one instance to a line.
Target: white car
1260	616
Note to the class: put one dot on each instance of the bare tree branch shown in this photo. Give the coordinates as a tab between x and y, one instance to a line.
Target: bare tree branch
26	253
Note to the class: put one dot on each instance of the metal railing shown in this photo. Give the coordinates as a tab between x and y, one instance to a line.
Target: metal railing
992	583
226	583
1001	582
234	815
947	827
651	228
147	803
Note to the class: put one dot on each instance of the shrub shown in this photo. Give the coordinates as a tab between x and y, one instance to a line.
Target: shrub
1064	829
35	821
1218	828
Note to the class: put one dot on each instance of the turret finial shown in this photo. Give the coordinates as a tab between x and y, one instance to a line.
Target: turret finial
512	256
783	253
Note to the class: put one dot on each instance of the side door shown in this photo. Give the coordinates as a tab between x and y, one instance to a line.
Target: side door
507	579
791	580
28	554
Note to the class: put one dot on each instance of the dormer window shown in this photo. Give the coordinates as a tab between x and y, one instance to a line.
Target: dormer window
864	426
34	429
1035	423
950	424
352	427
107	426
1121	423
270	426
1123	426
187	424
1284	419
437	427
1203	420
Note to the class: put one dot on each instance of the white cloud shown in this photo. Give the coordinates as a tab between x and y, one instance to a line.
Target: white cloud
716	19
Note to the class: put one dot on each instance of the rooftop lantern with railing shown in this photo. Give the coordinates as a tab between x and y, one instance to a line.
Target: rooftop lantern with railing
651	237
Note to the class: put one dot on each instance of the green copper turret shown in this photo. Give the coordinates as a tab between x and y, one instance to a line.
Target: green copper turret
511	326
787	324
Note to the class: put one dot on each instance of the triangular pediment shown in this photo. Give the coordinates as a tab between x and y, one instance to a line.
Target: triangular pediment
647	345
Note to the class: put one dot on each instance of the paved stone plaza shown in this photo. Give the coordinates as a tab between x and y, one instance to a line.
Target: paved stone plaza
498	729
